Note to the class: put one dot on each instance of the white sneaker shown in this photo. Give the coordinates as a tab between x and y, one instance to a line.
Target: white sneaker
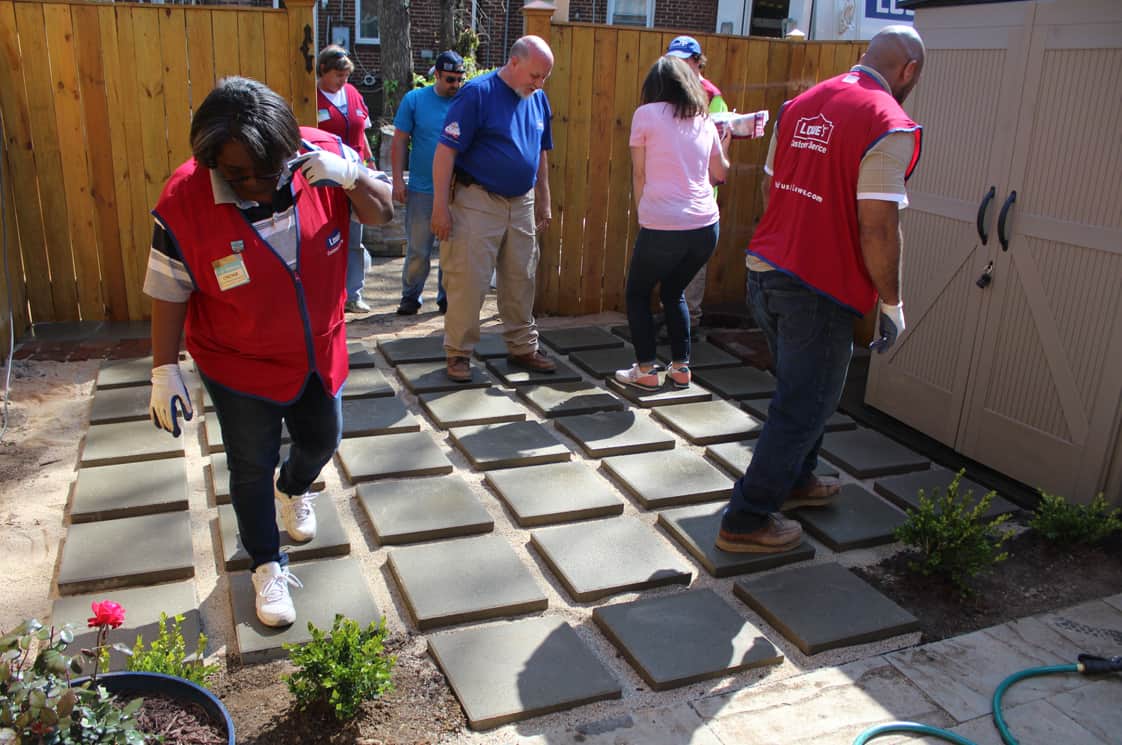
298	515
274	604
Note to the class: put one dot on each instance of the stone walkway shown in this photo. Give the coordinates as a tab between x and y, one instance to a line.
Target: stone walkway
552	537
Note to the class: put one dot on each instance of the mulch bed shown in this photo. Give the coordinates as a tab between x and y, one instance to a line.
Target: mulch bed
178	723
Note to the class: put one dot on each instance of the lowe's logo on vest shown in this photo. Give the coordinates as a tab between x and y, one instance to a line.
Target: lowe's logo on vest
886	10
813	133
333	242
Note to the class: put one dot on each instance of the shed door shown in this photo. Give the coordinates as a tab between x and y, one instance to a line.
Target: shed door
1043	404
967	101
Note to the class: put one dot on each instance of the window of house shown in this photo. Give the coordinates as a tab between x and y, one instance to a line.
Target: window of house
631	12
366	22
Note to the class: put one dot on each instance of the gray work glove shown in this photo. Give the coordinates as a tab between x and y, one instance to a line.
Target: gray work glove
168	391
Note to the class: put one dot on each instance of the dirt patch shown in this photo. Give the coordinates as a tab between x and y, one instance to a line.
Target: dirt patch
1036	578
421	709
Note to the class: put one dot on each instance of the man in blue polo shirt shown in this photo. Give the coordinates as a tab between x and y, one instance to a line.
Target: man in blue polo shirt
490	199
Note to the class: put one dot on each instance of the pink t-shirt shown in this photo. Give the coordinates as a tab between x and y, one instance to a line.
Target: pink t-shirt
677	194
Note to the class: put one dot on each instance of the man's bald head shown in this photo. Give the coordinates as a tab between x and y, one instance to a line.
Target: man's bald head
531	61
897	53
530	46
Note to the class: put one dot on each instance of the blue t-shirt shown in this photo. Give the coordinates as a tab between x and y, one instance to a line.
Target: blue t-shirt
421	114
498	134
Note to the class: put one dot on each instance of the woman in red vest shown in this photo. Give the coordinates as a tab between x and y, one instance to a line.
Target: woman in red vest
341	110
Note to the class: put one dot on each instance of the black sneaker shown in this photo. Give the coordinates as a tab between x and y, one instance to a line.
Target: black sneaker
408	308
442	306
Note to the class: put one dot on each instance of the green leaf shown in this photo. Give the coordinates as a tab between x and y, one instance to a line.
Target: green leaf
132	707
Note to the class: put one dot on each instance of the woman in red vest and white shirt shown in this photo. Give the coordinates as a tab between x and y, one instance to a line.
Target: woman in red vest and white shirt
677	157
341	110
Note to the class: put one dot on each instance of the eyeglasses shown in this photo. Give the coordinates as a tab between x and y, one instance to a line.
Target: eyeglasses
261	177
453	78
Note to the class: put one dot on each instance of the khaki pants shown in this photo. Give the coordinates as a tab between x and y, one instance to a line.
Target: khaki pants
490	233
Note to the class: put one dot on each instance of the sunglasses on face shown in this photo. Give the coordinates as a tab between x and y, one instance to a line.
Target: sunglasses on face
261	177
453	78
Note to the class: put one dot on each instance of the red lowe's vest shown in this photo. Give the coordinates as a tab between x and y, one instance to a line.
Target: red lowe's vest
352	127
809	229
266	337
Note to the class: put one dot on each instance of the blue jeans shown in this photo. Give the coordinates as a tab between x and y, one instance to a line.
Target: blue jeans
358	263
251	429
811	342
670	259
421	242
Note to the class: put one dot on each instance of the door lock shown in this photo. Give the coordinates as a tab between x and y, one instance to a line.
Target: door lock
987	276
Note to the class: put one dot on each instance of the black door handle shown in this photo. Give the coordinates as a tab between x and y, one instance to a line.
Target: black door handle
982	234
1001	236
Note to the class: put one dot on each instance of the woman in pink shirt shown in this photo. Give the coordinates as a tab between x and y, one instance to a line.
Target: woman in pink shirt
677	157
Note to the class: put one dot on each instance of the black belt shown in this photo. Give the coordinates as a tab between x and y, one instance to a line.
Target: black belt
463	177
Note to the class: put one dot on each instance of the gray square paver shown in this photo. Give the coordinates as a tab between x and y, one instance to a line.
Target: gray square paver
423	509
388	456
130	404
866	453
331	538
553	493
490	345
126	442
509	374
623	332
580	337
606	557
603	363
121	373
665	396
740	382
377	416
415	349
703	356
568	399
159	550
668	478
359	357
903	491
824	606
508	445
429	377
466	579
330	586
734	458
218	476
212	434
473	406
837	422
678	639
615	433
128	490
708	422
367	382
506	672
696	527
856	519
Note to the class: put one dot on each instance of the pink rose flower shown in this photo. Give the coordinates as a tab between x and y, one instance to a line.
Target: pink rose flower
106	613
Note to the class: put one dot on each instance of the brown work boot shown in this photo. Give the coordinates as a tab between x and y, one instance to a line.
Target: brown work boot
822	491
459	369
534	361
779	534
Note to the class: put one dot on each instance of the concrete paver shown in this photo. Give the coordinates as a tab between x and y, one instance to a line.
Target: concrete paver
423	509
490	345
509	445
568	399
121	373
1094	707
734	458
695	528
677	724
126	442
858	518
674	640
615	433
703	356
128	490
412	349
473	406
603	363
377	416
218	476
366	382
389	456
129	404
866	453
580	337
553	493
904	490
159	551
1095	626
511	671
509	374
740	382
838	422
465	579
331	538
668	478
662	397
359	357
606	557
1035	722
709	422
427	377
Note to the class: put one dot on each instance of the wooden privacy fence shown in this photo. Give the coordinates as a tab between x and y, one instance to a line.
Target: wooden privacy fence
594	89
96	100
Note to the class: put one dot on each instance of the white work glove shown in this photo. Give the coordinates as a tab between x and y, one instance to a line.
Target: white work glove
890	324
167	390
325	168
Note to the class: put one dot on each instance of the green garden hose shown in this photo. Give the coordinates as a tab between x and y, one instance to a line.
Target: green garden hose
1088	665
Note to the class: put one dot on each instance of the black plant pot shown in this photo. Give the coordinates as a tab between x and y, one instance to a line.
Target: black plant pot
175	688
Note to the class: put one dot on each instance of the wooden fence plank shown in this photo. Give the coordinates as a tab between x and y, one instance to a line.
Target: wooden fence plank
251	45
226	56
34	286
301	25
617	241
276	65
200	54
576	167
177	86
48	161
548	276
151	101
592	277
103	191
10	237
651	47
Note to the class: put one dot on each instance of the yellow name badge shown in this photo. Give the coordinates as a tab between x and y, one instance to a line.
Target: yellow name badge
230	272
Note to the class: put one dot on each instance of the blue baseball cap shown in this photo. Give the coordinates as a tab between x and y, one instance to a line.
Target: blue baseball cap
684	47
449	61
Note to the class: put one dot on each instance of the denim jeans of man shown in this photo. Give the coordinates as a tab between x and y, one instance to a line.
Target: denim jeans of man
811	343
420	245
251	430
670	259
358	263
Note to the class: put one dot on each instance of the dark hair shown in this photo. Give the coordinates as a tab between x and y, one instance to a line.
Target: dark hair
333	57
249	112
672	81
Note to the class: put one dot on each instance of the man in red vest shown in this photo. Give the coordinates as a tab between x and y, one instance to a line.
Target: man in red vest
827	246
